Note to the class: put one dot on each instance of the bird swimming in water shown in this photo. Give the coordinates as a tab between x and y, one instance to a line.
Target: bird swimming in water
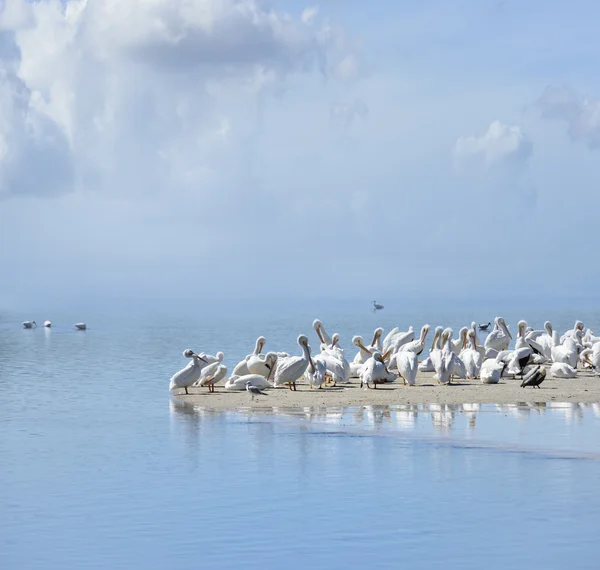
254	391
377	306
534	377
484	327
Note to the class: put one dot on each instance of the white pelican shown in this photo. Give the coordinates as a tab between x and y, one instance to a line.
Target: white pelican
210	359
315	372
188	375
439	361
80	326
335	362
408	366
388	338
568	351
47	324
212	374
239	382
29	324
241	368
472	357
262	365
290	369
400	339
521	342
562	370
500	337
461	343
545	338
416	346
491	371
427	364
374	371
321	333
361	357
571	333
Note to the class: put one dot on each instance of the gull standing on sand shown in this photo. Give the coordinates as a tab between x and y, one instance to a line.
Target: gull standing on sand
253	390
189	375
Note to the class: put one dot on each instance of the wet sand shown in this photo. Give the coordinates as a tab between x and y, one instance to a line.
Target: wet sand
585	388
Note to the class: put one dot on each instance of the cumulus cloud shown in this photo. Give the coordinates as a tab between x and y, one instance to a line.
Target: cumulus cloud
142	96
579	112
500	145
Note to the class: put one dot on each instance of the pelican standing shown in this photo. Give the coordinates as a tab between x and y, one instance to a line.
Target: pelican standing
290	369
374	371
500	337
472	357
321	332
189	375
408	366
416	346
212	374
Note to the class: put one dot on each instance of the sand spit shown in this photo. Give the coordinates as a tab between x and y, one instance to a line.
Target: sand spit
584	389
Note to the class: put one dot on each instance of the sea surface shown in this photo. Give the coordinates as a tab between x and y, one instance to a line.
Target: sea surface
100	468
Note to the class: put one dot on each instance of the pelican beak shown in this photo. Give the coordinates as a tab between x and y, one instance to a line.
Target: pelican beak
261	344
386	355
203	359
270	372
320	334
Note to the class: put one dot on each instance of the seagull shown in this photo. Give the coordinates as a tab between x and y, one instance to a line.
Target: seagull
534	377
254	391
377	306
80	326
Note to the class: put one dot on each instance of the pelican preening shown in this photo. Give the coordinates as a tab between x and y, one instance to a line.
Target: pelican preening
396	354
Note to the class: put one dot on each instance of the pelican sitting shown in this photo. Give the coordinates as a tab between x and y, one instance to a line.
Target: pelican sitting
80	326
337	365
239	382
491	371
374	371
47	324
562	370
29	324
571	333
212	374
241	368
568	351
500	337
290	369
262	364
189	375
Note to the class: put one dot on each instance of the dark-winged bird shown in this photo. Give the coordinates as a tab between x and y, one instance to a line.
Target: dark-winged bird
534	377
254	391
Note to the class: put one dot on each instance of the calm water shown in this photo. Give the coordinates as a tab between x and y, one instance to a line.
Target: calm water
99	468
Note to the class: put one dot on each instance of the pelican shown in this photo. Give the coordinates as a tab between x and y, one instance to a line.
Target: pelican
80	326
407	364
500	337
210	359
377	343
212	374
29	324
335	361
545	338
361	357
571	333
401	338
374	371
290	369
568	351
388	338
562	370
427	364
241	368
416	346
461	343
439	361
534	377
188	375
491	371
321	333
47	324
472	357
263	365
240	382
316	370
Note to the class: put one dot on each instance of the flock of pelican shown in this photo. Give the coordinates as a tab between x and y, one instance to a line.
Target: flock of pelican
396	356
48	324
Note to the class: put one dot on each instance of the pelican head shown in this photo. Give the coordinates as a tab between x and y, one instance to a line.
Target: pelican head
378	356
424	332
548	327
260	343
335	339
270	362
522	326
501	322
318	325
303	340
376	335
188	353
446	336
220	356
578	325
358	341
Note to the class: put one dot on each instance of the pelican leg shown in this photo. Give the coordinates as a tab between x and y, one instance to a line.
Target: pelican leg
294	383
290	385
186	390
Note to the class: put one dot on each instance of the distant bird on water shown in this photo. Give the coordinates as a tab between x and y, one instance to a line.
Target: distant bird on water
484	327
254	391
29	324
80	326
534	377
377	306
47	324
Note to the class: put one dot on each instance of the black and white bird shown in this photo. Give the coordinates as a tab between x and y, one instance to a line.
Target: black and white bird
29	324
534	377
254	391
484	327
377	306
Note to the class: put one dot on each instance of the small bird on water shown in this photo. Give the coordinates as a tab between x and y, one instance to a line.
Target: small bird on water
377	306
254	391
484	327
534	377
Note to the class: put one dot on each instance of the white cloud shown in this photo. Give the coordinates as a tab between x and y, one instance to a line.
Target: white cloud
500	145
126	95
581	113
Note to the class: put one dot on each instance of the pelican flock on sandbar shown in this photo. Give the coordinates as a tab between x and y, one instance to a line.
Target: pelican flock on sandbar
398	356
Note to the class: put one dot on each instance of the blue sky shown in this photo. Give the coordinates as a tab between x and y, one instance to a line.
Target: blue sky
343	149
